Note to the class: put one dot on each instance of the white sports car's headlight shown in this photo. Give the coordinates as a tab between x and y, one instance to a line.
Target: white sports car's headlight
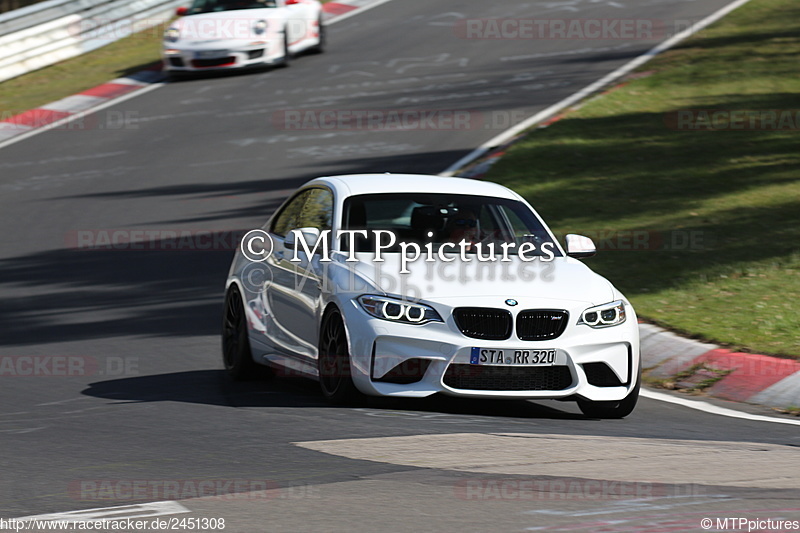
396	310
172	35
260	27
604	316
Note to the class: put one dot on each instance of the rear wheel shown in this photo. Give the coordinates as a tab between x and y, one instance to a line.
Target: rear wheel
335	379
236	354
619	409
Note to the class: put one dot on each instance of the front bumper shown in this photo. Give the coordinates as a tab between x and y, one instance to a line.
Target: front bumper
393	359
220	57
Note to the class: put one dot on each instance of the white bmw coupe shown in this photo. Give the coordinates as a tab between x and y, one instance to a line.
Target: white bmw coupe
406	285
227	34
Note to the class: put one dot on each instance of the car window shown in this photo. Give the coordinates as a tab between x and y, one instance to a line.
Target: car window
317	211
443	218
312	208
289	216
211	6
519	230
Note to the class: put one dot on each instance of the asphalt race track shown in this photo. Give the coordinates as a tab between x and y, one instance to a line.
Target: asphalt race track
127	387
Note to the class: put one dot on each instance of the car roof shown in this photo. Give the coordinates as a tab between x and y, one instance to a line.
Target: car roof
357	184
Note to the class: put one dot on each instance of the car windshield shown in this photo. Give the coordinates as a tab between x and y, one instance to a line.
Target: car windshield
212	6
444	218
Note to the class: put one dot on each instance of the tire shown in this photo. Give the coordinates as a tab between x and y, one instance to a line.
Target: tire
177	77
333	361
619	409
323	38
286	60
236	354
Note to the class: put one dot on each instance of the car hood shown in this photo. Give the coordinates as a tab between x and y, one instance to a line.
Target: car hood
235	24
559	279
234	14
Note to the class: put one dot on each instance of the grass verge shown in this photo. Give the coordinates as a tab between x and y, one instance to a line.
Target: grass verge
126	56
695	379
699	228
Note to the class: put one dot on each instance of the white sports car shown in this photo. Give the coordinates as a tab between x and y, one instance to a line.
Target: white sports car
404	285
227	34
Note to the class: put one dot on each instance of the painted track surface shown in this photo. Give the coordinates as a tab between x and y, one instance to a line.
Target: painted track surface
150	402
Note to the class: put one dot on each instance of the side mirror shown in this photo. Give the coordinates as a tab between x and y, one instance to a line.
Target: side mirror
579	246
182	11
309	235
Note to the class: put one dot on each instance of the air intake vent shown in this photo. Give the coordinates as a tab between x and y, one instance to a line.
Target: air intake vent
601	375
508	378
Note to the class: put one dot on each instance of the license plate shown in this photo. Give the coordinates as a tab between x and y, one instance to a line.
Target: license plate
505	357
210	54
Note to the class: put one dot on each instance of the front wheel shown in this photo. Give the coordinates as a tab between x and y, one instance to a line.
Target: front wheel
619	409
286	60
174	76
335	379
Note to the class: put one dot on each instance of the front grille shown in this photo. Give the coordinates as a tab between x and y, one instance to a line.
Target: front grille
541	324
176	61
217	62
253	54
483	323
507	378
601	375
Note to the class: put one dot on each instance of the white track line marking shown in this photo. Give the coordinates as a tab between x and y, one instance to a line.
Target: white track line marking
589	89
358	11
713	409
81	114
123	512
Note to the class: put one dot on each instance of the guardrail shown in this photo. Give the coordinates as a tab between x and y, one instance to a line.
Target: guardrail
48	32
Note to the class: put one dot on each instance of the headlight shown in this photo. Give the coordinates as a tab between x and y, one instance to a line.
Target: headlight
260	27
604	316
396	310
172	35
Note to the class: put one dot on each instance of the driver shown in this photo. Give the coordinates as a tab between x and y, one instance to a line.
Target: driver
464	225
